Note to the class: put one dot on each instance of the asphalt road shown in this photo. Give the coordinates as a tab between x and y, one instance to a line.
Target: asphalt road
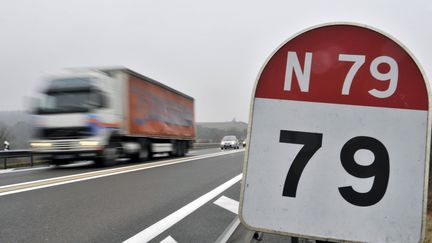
190	199
18	175
115	204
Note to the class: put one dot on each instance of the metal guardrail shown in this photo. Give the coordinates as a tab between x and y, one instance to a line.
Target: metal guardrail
7	154
205	145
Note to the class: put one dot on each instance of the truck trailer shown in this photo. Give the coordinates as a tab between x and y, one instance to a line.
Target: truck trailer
103	114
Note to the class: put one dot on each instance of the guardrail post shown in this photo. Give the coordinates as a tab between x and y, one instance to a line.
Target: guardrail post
15	154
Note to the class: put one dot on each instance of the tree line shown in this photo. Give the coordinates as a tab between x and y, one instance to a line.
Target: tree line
215	135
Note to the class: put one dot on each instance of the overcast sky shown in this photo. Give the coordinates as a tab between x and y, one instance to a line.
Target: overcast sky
210	50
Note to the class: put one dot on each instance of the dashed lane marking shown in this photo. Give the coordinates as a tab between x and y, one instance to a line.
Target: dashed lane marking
169	239
228	204
170	220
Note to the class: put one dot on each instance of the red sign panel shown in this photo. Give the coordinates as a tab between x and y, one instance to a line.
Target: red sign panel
344	64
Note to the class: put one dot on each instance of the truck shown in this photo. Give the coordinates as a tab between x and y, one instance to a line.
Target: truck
103	114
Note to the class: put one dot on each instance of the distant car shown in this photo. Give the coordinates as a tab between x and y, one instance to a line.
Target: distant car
230	142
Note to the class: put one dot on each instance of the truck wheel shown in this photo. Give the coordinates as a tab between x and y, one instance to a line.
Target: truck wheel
109	155
187	148
176	151
143	154
179	149
182	149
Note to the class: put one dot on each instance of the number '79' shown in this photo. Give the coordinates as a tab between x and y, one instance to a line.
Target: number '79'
312	142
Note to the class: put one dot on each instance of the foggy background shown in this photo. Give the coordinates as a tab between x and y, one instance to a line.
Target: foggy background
210	50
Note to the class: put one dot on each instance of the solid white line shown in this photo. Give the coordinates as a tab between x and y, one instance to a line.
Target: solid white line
229	231
90	175
77	164
167	162
169	239
228	204
165	223
15	170
233	206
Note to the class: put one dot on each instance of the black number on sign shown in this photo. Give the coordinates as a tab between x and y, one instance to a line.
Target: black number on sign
312	142
380	169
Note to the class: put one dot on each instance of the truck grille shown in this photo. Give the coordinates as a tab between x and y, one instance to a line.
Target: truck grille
62	133
59	145
65	145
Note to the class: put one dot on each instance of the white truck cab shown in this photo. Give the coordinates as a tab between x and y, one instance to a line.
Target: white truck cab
76	116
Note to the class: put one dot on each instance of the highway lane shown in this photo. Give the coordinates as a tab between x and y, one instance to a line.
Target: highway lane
116	207
205	224
12	176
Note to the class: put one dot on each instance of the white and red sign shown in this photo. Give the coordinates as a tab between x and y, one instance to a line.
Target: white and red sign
338	142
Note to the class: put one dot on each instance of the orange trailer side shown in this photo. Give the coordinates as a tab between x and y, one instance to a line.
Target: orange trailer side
155	111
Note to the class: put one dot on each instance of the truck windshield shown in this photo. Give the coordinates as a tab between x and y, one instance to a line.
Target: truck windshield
70	101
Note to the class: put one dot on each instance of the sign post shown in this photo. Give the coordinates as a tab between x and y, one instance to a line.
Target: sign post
338	139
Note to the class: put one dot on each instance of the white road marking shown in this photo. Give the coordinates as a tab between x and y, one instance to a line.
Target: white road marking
229	231
169	239
233	206
56	181
77	164
228	204
15	170
165	223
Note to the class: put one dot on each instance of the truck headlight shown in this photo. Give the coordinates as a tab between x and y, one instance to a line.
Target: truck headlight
89	143
40	145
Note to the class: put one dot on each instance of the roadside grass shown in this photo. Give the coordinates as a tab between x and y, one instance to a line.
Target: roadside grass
428	233
428	238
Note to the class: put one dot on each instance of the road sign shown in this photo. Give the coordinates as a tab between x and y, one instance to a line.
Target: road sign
338	139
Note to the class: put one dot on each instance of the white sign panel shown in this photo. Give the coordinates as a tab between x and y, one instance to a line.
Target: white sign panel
338	140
